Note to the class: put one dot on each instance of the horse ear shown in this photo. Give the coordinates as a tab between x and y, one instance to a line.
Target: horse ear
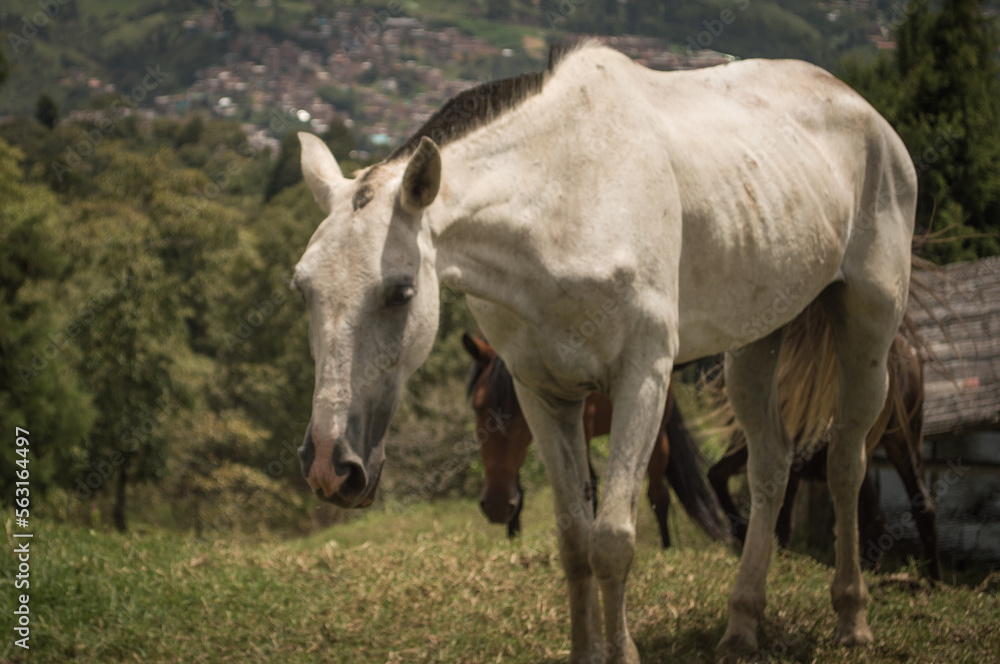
422	178
478	349
320	170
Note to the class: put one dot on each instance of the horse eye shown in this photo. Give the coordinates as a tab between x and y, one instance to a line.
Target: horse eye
400	295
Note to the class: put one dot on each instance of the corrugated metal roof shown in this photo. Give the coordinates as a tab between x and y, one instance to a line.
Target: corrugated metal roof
961	325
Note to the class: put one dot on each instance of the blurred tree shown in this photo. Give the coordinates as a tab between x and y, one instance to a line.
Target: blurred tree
260	328
498	10
341	141
127	352
939	90
46	111
343	99
40	388
153	247
4	69
634	15
191	131
286	171
195	352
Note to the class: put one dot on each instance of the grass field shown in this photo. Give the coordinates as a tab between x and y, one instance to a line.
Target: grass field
436	583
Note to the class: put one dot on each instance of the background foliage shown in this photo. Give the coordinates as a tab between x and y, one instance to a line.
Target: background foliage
941	92
169	346
148	337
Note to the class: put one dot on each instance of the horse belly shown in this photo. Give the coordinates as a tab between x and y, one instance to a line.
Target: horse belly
756	282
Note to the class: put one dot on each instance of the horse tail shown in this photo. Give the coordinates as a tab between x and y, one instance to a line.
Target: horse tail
807	374
685	476
808	380
807	387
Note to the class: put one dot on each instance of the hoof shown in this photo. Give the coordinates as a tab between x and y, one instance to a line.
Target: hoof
596	655
734	647
593	653
608	654
852	637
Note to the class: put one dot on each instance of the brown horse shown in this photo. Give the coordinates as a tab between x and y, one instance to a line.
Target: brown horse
804	391
505	438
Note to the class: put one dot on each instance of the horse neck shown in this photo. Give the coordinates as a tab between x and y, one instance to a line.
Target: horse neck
489	202
479	234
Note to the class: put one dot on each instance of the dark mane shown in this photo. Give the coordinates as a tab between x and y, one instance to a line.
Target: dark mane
472	109
502	399
478	106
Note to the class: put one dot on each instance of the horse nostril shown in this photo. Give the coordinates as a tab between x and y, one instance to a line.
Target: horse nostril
354	483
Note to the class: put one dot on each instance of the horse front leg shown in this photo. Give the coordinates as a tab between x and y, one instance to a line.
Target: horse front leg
658	494
731	463
558	428
638	409
784	526
514	525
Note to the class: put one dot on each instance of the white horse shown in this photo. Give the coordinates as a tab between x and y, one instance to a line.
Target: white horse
606	222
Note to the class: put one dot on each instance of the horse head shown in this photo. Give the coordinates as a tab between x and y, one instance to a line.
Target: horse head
501	429
369	280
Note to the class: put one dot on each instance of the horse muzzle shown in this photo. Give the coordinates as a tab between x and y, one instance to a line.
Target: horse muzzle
339	476
500	509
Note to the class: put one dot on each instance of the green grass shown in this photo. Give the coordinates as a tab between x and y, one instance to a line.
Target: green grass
436	583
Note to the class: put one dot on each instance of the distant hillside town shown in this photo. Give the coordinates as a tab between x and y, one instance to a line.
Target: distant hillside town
378	74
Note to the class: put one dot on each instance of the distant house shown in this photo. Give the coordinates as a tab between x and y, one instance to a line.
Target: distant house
961	324
957	312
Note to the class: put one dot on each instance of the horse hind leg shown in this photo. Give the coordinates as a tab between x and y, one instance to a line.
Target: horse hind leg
753	392
864	317
911	472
